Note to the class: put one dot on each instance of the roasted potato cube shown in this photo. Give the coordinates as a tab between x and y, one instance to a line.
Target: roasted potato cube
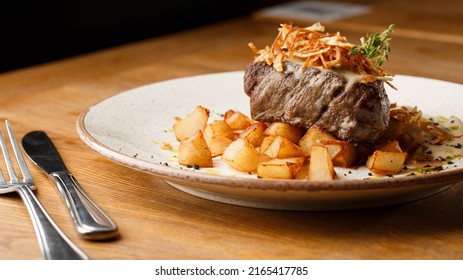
389	146
228	114
193	122
395	128
193	151
237	120
283	148
285	130
218	143
386	162
286	168
217	127
303	171
255	133
342	153
241	155
263	158
313	136
320	166
266	143
218	136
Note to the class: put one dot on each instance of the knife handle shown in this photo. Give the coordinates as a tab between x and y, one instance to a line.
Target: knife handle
54	244
91	222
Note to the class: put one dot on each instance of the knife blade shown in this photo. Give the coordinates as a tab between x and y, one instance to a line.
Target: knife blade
91	222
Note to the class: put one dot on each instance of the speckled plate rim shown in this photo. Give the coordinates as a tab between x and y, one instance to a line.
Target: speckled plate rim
194	180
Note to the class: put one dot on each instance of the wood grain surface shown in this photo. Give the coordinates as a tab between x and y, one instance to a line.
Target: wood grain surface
157	221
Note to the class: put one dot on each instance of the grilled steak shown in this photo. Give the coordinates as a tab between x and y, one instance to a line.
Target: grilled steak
348	109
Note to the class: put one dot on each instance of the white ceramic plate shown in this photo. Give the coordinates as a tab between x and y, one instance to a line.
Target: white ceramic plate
130	127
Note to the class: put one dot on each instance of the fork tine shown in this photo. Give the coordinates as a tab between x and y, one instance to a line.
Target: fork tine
8	163
53	243
27	178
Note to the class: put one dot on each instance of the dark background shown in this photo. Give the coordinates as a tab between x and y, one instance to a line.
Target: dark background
34	32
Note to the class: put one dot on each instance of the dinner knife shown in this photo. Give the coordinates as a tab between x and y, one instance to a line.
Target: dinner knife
91	222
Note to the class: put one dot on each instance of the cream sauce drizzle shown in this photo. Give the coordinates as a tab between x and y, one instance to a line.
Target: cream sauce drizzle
442	153
294	66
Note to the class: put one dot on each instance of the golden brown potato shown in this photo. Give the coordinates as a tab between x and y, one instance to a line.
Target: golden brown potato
263	158
320	166
193	151
193	122
313	136
303	172
228	114
286	168
237	120
271	149
218	136
283	148
241	155
218	143
217	127
389	146
386	162
285	130
255	133
342	153
265	143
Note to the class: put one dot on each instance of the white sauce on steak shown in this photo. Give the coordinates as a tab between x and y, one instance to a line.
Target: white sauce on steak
295	68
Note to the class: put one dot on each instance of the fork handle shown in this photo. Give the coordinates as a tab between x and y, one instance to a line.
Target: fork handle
91	221
53	243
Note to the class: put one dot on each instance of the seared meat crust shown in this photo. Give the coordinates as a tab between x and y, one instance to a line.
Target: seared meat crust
357	111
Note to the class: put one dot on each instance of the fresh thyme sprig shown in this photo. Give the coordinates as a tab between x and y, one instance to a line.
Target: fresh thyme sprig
376	47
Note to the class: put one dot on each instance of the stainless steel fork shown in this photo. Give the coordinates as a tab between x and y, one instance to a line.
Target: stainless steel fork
53	243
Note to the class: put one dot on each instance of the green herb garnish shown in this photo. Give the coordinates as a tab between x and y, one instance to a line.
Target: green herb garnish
376	47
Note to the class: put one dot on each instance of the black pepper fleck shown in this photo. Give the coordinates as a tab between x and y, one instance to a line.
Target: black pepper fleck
438	168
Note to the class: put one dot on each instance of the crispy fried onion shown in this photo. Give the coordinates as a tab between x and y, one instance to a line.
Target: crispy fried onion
435	133
315	48
439	134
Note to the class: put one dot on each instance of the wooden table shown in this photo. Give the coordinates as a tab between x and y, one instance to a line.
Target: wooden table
157	221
